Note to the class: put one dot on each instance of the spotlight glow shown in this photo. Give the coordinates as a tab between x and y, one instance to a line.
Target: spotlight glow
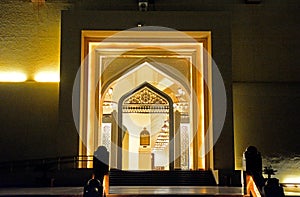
12	77
292	180
47	77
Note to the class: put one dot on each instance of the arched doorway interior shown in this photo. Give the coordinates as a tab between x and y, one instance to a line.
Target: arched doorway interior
147	100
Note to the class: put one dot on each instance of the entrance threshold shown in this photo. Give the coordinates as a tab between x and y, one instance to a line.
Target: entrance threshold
125	191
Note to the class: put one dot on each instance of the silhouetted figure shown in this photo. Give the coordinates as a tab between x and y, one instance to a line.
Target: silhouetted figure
100	163
273	189
253	160
93	188
254	165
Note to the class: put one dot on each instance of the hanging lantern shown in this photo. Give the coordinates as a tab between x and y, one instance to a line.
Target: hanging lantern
144	138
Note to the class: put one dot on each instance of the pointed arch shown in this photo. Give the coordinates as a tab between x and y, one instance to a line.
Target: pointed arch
169	103
155	64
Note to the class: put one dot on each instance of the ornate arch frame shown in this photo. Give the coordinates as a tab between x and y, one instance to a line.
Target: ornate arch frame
152	105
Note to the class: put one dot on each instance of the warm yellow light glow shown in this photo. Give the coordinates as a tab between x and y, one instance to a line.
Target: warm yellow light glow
294	179
295	185
12	77
47	77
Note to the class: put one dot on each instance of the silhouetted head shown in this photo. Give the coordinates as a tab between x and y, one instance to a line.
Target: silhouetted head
101	151
273	182
251	149
93	188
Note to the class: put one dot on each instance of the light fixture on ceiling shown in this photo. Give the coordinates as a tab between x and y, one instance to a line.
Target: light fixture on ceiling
181	92
108	104
139	25
162	138
110	91
143	5
109	94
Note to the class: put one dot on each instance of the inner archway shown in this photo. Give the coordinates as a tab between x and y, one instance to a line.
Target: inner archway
158	79
146	100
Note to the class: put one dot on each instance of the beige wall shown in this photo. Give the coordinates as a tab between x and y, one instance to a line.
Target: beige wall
29	120
30	37
267	116
29	43
265	50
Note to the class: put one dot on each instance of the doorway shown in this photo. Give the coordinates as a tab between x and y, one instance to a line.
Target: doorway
141	109
171	67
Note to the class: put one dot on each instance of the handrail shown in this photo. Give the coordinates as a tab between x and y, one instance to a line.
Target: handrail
45	164
252	188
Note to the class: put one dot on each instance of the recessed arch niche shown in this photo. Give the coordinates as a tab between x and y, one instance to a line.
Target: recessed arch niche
177	62
146	99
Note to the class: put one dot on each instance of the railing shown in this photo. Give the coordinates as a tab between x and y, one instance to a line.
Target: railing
251	187
45	164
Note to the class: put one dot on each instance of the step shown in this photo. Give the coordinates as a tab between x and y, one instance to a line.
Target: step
161	178
169	195
126	191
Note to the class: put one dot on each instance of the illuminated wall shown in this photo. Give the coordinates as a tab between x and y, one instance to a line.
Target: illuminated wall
267	116
29	46
30	37
266	97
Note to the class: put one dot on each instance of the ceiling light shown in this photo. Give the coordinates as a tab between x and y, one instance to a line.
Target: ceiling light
110	91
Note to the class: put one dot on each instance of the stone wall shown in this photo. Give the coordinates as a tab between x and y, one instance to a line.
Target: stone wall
29	43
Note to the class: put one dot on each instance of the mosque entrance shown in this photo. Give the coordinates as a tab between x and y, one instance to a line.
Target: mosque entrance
144	96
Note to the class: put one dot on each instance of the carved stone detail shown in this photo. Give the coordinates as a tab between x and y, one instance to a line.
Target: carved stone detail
145	101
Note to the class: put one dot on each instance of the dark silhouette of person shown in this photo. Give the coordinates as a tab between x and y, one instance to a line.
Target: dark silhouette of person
100	163
93	188
253	160
254	165
273	189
